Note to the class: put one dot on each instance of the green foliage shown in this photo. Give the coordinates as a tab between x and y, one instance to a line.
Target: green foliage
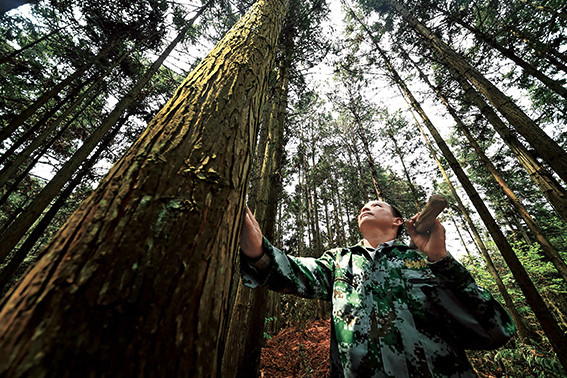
517	359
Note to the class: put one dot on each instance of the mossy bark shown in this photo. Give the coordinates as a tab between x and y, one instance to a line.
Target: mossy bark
136	282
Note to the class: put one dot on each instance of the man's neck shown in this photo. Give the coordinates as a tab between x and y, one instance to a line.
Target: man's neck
376	239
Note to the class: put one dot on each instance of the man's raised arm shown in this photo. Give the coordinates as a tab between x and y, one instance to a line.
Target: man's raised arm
262	264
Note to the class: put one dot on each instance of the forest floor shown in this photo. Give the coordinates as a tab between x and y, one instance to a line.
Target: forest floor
298	351
304	352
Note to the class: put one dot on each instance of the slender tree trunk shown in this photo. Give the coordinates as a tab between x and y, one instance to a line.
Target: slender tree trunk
308	201
552	330
299	214
526	285
46	146
524	330
467	228
317	228
548	249
555	57
24	250
136	281
10	169
413	190
362	135
259	156
330	237
19	120
323	307
545	146
12	235
463	241
515	228
15	53
337	214
27	135
550	188
554	85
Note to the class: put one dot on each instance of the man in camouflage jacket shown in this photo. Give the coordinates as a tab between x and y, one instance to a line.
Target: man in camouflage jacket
397	312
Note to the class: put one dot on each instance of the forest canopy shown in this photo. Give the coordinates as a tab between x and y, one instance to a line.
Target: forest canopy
133	134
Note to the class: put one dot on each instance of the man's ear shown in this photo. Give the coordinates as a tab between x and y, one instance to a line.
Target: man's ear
398	221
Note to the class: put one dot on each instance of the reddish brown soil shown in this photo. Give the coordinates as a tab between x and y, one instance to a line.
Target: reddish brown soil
298	352
303	351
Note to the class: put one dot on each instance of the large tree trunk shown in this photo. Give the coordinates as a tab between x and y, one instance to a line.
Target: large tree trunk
241	357
136	281
545	146
552	330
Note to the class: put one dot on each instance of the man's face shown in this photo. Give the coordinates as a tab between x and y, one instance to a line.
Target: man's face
377	214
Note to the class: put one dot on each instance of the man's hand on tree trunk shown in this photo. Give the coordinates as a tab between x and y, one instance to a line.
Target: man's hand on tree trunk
251	236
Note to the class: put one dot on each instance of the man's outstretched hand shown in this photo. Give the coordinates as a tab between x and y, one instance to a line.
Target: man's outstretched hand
251	236
431	243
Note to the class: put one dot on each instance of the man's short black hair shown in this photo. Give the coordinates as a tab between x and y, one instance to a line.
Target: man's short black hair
398	214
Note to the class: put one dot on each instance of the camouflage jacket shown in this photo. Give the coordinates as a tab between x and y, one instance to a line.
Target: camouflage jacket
393	316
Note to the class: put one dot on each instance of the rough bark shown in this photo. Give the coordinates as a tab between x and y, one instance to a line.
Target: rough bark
241	357
135	283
